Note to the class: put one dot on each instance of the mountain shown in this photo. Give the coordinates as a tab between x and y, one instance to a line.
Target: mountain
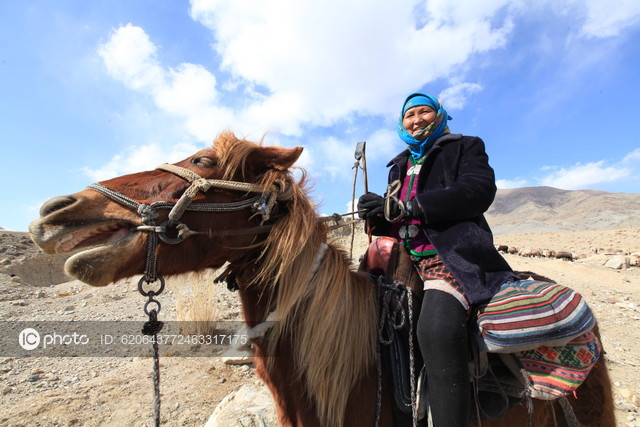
547	209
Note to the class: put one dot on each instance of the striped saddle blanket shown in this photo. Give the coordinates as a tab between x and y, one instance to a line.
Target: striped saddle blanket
546	327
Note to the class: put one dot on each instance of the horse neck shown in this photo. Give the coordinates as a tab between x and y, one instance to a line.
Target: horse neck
324	323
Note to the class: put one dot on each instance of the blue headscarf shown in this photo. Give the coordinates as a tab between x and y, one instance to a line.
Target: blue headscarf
419	144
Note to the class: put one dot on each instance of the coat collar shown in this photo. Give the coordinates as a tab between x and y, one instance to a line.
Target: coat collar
402	158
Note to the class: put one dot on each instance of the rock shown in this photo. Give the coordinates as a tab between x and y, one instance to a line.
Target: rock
248	406
617	262
246	359
16	279
33	378
564	255
630	396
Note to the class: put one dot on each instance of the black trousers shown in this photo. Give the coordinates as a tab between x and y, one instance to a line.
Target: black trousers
442	337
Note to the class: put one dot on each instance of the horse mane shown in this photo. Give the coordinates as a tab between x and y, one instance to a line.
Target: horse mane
328	316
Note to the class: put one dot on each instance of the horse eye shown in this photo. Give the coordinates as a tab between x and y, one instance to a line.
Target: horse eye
204	162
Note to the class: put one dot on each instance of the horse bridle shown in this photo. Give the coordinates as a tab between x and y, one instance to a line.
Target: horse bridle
261	204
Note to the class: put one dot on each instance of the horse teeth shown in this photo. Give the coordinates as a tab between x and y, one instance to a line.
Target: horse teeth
61	241
70	241
65	238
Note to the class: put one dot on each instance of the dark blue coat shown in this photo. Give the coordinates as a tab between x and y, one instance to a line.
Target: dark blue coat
456	186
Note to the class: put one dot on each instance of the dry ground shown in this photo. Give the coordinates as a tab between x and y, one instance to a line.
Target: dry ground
93	391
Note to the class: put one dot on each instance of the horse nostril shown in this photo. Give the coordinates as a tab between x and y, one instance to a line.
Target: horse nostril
55	204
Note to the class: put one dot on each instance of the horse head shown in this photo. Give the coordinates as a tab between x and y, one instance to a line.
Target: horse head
108	225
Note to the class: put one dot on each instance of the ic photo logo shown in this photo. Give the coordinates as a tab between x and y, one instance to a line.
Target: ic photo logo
29	339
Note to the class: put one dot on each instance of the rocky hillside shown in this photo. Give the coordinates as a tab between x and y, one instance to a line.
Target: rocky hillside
547	209
20	257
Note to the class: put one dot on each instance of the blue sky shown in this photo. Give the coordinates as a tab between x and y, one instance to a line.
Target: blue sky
95	89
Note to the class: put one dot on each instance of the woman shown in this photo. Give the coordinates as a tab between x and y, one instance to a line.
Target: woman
439	189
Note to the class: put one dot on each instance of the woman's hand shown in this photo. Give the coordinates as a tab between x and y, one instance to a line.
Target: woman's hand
370	205
398	210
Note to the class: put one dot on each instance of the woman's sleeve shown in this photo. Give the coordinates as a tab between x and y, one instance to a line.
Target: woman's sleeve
379	226
471	193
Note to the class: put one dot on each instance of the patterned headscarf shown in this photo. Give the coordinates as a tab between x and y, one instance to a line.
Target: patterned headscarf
419	144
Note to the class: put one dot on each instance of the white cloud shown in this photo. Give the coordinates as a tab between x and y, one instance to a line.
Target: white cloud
188	91
314	63
137	159
322	61
585	176
351	206
581	176
289	66
339	157
383	144
511	183
605	18
455	97
131	57
633	156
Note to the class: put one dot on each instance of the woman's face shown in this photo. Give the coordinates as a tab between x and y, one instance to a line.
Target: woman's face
417	118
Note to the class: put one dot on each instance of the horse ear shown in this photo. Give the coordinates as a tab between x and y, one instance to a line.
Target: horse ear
278	158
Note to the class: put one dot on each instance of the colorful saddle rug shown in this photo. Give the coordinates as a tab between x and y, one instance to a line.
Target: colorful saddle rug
558	371
526	314
548	330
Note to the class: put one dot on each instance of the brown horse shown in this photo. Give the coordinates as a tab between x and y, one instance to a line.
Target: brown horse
325	314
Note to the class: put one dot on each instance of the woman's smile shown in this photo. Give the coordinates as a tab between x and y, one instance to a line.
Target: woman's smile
416	119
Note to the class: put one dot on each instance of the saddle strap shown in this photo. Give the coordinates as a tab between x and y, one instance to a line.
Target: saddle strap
569	415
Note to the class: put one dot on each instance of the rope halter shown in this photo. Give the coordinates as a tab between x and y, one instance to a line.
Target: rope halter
261	204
